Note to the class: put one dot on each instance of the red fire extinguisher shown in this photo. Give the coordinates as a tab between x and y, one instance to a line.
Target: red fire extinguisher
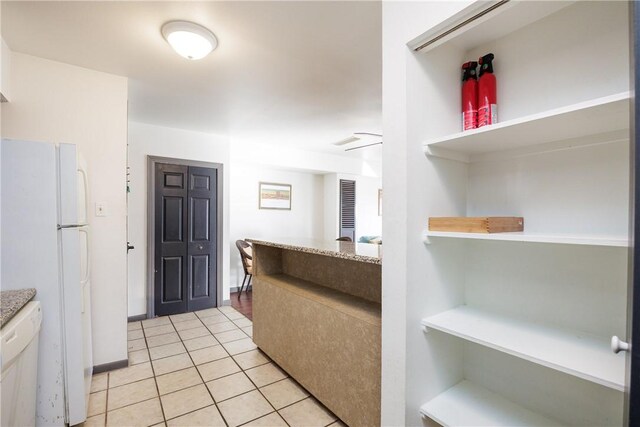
487	95
469	96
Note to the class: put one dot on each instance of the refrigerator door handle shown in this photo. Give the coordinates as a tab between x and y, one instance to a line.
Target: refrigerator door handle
87	270
85	184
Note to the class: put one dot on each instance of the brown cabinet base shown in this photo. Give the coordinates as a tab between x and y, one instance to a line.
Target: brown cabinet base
325	338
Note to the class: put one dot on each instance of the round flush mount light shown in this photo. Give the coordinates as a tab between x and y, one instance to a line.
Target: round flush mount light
189	40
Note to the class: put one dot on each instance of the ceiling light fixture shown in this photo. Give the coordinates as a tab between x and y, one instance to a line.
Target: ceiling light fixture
189	40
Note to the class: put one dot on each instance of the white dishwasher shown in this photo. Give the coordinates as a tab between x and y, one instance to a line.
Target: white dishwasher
19	360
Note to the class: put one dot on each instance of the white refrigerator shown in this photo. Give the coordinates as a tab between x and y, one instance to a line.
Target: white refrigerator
45	245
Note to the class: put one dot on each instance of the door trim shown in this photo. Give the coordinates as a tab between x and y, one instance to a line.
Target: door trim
151	193
632	394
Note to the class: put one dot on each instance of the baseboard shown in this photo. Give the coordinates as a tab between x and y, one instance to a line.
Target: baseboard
234	289
106	367
137	318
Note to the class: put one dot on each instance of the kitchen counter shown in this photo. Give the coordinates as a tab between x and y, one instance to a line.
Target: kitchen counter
317	314
363	252
12	301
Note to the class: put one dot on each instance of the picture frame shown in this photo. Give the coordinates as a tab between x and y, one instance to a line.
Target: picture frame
272	195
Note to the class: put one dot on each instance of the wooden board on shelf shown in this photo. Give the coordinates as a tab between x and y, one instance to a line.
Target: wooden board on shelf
582	355
485	224
468	404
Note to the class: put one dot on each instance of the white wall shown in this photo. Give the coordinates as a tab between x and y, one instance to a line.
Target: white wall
149	140
286	157
331	206
55	102
305	219
5	60
368	222
404	184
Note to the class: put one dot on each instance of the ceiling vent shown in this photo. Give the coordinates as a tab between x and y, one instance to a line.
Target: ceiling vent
354	138
347	141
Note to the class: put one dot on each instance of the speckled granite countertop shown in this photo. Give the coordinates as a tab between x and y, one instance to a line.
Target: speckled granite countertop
12	301
363	252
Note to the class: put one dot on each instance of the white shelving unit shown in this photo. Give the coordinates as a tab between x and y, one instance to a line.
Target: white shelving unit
599	116
467	404
533	238
518	334
572	352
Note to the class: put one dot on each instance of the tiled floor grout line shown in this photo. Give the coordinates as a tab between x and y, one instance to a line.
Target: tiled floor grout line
263	396
224	376
205	384
196	410
106	400
155	381
274	412
131	404
262	364
292	403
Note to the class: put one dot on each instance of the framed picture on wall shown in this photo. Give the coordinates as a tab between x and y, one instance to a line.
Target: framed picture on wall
274	196
380	202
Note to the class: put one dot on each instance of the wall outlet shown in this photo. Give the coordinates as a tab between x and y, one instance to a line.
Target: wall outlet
101	209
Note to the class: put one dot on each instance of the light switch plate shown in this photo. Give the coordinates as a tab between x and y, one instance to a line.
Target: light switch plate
101	209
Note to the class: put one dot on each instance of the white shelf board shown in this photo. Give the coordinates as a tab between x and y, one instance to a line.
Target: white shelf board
534	238
467	404
594	117
467	32
575	353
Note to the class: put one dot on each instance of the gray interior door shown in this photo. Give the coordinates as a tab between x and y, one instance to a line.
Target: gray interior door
170	240
185	238
201	249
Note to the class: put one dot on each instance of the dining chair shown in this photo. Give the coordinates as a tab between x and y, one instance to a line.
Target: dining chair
246	255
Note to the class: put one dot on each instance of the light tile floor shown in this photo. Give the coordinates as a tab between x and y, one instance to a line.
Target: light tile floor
200	369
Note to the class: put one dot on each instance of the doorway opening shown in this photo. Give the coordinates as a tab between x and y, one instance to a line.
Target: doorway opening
184	256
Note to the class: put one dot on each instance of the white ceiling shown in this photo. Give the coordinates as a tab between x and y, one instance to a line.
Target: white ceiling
300	73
